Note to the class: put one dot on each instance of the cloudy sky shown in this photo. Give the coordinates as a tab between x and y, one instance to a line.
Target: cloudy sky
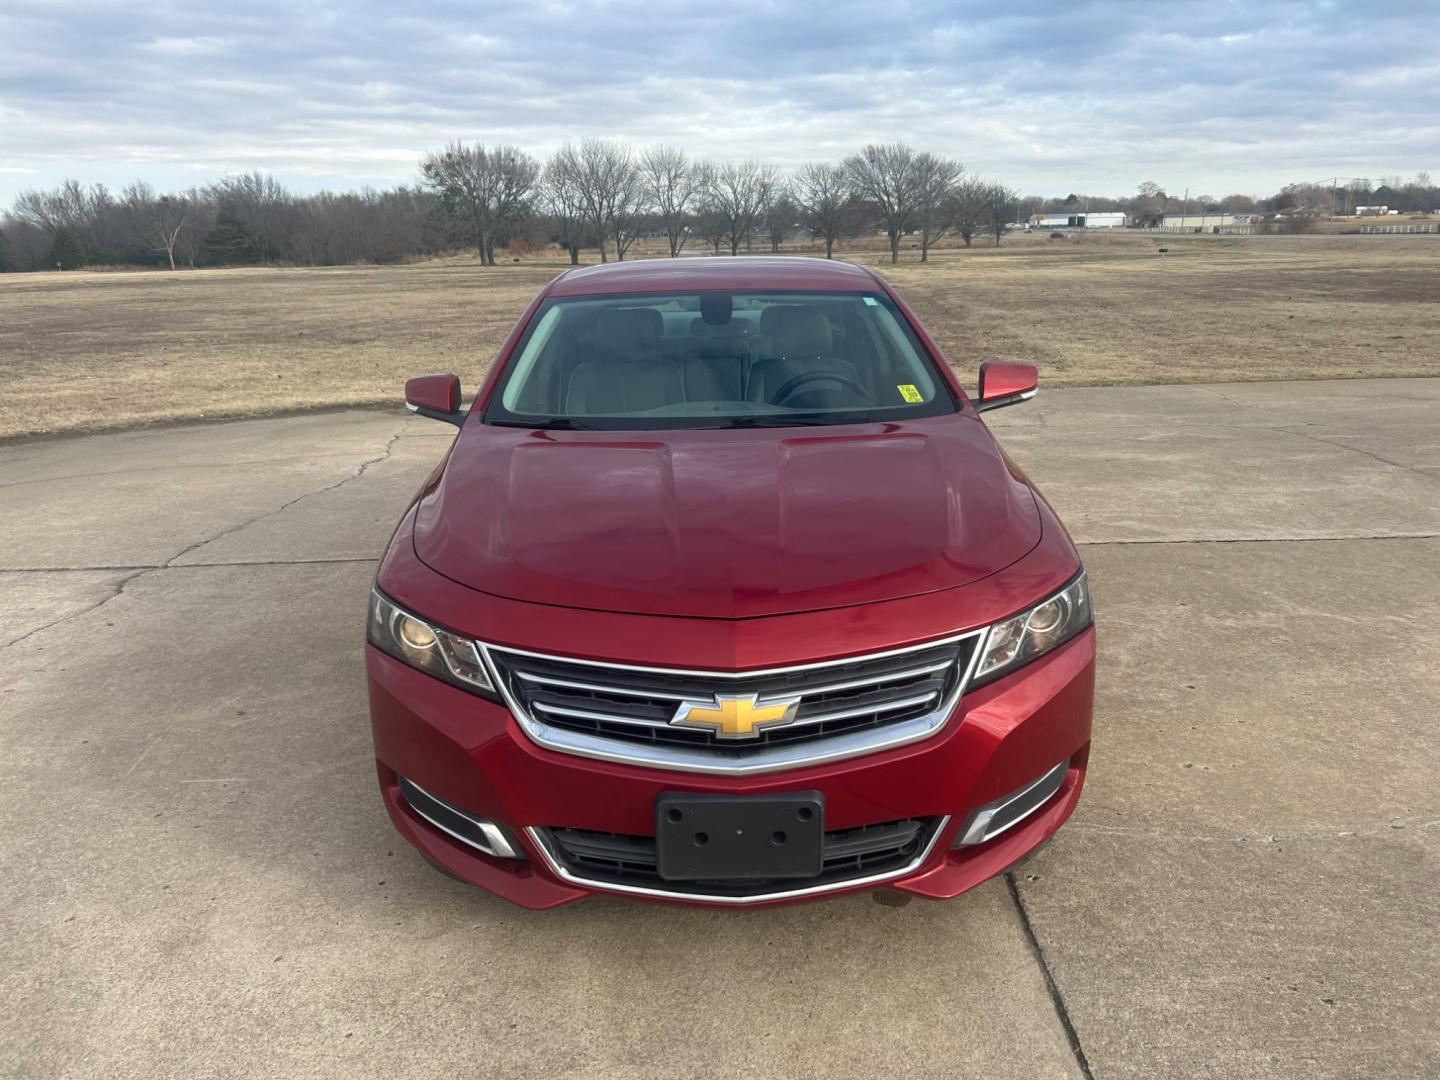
1051	98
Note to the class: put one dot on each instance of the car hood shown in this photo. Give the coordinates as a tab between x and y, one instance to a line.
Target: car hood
726	524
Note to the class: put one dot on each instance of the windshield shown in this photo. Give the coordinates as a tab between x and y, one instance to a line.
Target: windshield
718	359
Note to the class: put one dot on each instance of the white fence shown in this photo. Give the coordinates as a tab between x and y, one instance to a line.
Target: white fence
1386	229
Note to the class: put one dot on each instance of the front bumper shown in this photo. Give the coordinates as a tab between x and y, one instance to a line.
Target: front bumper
471	753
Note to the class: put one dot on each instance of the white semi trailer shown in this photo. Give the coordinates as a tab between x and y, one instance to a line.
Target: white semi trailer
1105	220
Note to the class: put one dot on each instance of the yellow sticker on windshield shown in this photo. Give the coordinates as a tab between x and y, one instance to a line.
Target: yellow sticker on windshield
910	394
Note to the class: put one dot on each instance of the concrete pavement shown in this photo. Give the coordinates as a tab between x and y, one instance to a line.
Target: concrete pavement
201	881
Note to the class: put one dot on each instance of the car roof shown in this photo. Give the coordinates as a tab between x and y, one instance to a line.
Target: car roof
758	273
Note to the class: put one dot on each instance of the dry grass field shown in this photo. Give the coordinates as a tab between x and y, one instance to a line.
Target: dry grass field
86	351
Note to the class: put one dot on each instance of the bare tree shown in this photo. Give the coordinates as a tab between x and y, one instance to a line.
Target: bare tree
969	208
631	215
486	189
560	198
1148	206
157	220
72	209
780	215
888	175
169	218
707	222
1000	206
517	174
672	185
190	242
736	195
823	194
606	179
936	178
244	219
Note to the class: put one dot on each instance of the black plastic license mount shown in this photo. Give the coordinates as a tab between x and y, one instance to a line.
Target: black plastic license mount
739	838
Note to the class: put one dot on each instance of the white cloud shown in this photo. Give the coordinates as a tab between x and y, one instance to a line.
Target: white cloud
181	47
1092	96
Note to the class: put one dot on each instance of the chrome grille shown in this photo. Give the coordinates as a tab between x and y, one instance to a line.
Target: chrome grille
624	713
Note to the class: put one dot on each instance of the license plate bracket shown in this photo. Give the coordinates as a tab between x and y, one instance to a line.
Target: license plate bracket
739	838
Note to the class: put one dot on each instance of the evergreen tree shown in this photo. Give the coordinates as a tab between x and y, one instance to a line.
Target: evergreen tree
65	253
230	242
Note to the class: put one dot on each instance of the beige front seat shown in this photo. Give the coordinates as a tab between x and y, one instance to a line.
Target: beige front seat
801	341
630	372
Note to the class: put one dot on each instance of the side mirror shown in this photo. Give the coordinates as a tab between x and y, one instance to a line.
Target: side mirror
1005	384
435	396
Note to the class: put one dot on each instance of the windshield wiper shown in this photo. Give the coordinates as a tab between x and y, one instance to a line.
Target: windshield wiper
547	423
776	421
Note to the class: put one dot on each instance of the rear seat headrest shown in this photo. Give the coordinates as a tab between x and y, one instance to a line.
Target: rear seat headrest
735	328
629	333
770	317
801	330
715	308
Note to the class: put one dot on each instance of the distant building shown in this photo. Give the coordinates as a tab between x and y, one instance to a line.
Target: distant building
1105	220
1213	219
1371	211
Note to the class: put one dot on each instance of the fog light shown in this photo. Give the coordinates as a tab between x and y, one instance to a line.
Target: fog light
994	818
477	832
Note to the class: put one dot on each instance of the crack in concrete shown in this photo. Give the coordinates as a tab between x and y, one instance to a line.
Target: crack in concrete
1260	539
364	465
1225	397
118	588
1037	951
1429	820
102	568
341	560
1357	450
170	563
1052	988
188	566
153	469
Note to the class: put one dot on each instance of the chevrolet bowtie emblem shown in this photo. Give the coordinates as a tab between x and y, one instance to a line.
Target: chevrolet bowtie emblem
736	716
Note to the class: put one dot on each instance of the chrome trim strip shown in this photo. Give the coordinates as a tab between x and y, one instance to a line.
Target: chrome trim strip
757	673
772	759
877	680
609	718
615	691
541	844
500	847
829	688
664	725
1000	403
977	831
862	710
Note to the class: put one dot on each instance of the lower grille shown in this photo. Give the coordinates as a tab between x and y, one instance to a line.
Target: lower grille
628	861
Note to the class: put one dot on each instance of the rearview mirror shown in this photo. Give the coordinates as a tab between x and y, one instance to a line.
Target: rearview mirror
1005	384
435	396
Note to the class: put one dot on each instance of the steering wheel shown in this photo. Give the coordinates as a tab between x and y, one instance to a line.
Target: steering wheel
789	386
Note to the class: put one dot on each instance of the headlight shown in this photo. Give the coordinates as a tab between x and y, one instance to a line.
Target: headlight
416	642
1033	633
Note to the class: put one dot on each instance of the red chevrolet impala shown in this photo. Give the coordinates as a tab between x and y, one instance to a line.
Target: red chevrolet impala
724	594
